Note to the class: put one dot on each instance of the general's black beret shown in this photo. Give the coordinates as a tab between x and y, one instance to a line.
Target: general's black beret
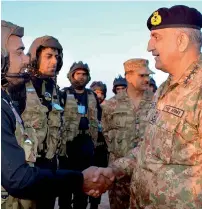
175	17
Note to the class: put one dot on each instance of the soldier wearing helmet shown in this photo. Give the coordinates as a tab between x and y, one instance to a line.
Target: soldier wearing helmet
82	113
152	85
119	84
100	89
101	151
10	74
123	121
79	76
43	104
13	77
19	177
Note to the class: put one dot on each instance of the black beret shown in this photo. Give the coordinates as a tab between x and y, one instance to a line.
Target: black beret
175	17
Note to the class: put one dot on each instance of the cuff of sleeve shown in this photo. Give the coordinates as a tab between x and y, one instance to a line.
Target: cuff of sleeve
124	167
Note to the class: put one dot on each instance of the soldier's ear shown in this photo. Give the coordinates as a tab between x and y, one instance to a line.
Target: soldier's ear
128	78
183	41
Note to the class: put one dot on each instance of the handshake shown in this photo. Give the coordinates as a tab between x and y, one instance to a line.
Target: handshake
97	180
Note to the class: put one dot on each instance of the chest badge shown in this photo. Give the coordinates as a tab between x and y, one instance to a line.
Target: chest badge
47	96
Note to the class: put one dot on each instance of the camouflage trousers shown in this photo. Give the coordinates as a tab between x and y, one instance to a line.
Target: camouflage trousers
9	202
119	193
14	203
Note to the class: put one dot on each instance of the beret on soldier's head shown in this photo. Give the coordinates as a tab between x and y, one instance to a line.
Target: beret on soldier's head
136	64
175	17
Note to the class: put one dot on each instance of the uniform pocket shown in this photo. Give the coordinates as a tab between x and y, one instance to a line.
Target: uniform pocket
70	130
118	119
187	145
162	133
35	117
54	119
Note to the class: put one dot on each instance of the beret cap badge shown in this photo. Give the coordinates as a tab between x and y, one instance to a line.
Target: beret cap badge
156	18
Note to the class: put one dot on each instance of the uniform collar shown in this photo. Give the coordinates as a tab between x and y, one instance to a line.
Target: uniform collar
187	77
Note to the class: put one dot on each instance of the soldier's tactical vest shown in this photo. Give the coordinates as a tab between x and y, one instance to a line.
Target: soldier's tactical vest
29	145
53	140
72	118
46	124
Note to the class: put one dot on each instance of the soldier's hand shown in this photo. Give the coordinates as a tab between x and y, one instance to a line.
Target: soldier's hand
97	180
108	173
89	186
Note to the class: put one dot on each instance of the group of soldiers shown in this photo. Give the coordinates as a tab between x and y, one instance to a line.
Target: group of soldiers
149	140
66	126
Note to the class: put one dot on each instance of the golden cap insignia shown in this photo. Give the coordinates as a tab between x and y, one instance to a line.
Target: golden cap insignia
156	19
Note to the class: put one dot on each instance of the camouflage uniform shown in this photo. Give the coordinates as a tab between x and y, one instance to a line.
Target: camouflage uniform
123	128
167	166
124	124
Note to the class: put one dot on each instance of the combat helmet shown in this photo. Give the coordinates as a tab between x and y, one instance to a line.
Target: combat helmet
119	81
8	29
99	85
76	66
45	42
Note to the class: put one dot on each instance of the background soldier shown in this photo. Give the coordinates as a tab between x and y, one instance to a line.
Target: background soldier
81	115
123	121
42	108
119	84
100	90
101	151
152	85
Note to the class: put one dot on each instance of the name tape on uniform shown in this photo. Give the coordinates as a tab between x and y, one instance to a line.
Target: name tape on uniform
173	110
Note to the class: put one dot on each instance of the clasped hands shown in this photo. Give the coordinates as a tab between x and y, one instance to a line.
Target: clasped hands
97	180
